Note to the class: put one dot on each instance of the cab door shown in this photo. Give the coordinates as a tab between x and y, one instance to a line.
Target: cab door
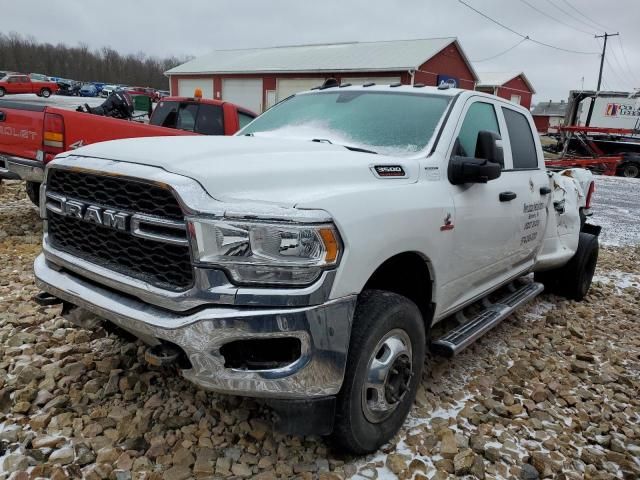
484	231
13	85
23	84
529	181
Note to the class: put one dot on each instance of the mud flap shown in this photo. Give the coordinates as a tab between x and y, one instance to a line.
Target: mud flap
304	417
591	229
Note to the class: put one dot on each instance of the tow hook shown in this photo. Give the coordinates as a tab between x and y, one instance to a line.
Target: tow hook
45	299
161	355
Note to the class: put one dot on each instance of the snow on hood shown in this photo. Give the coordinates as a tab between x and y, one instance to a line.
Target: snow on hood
275	170
321	131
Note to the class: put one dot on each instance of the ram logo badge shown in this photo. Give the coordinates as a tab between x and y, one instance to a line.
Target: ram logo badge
87	213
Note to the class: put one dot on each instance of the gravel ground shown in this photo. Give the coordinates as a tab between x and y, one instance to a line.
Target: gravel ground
553	392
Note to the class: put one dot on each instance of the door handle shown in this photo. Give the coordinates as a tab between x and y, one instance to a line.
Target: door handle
3	116
545	190
507	196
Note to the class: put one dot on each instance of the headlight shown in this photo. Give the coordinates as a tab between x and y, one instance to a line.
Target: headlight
266	253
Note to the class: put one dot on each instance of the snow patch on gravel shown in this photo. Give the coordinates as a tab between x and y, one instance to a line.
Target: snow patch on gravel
619	279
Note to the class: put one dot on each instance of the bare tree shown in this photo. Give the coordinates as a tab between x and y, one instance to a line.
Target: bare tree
24	54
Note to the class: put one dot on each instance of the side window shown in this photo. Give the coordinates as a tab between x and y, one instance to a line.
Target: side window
523	147
210	120
165	115
480	116
244	119
187	116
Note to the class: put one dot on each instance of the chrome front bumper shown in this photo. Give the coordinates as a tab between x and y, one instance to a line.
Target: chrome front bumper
323	330
25	169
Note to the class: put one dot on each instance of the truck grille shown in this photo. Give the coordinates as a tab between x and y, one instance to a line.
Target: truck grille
161	264
118	193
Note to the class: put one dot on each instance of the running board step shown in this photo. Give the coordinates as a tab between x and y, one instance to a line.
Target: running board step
469	331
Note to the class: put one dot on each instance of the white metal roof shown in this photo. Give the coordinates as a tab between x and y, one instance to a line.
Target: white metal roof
396	55
497	79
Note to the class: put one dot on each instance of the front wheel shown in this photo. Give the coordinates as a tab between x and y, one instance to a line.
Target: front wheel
2	92
384	368
45	92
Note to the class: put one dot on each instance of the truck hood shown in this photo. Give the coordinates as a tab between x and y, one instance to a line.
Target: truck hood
279	171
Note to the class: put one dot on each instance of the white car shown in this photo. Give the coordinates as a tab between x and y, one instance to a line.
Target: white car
108	90
306	259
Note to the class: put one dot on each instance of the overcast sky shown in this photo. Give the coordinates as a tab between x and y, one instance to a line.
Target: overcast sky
194	27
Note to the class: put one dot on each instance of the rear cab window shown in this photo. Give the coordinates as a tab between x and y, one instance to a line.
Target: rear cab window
523	146
202	118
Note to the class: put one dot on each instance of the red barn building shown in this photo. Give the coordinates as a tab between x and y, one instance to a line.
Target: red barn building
548	116
257	78
509	85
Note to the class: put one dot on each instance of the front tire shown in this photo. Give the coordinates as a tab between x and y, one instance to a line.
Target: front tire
2	92
45	92
384	369
573	280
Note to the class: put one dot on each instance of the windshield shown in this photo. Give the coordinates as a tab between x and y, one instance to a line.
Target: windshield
392	123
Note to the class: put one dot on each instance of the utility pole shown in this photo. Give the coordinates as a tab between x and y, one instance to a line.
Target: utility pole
604	52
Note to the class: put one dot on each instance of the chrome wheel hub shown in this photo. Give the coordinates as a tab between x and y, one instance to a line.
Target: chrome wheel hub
388	374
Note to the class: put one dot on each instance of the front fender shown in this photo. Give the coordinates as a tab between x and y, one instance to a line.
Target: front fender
379	223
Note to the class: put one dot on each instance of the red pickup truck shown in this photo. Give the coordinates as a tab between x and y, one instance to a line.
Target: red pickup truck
31	135
16	83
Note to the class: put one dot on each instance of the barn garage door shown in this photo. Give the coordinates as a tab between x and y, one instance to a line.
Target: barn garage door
288	86
246	92
376	80
187	86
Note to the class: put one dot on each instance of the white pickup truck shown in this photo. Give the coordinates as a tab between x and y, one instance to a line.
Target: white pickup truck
306	259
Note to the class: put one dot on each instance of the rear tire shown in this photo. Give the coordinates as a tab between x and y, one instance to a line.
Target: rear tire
629	170
573	280
384	369
45	92
33	192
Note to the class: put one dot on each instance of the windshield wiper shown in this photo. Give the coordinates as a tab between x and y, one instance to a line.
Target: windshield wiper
348	147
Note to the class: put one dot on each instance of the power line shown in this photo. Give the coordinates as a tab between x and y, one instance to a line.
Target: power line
569	14
542	12
617	75
619	64
522	35
596	24
626	61
621	81
503	52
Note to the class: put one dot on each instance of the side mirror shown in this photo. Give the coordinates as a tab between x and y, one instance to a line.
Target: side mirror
472	170
489	147
486	165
